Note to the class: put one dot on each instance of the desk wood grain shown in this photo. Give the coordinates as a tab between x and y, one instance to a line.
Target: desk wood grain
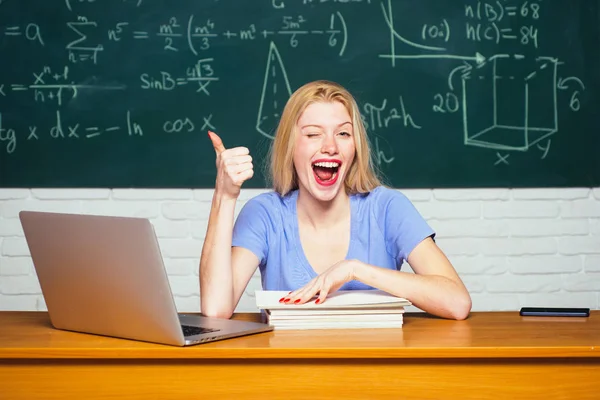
489	355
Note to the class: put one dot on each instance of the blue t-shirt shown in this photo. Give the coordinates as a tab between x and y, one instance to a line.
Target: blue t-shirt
385	228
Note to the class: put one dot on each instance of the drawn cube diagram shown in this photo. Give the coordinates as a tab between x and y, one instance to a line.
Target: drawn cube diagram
510	103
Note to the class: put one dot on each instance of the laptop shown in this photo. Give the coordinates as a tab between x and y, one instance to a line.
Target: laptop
105	275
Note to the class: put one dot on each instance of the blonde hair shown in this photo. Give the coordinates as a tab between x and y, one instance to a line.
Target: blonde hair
361	176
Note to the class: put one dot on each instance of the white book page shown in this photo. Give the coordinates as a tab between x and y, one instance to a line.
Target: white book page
269	299
298	313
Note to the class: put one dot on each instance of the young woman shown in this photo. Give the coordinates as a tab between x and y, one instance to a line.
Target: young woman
329	223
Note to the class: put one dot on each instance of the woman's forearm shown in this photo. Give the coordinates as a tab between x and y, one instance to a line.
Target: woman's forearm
434	294
216	280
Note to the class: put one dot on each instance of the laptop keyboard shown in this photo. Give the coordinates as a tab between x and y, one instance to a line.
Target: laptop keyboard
189	330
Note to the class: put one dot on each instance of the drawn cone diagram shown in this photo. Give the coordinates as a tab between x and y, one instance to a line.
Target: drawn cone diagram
275	93
509	102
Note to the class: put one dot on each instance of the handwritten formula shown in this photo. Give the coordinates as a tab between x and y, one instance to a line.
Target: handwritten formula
492	79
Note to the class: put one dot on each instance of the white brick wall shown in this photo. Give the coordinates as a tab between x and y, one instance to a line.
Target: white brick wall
511	247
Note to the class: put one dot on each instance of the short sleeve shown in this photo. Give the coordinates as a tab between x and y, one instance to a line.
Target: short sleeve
250	229
405	228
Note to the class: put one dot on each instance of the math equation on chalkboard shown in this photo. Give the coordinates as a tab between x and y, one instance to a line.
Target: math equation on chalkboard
465	93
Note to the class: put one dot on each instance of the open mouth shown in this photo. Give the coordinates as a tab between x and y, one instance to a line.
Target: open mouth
326	172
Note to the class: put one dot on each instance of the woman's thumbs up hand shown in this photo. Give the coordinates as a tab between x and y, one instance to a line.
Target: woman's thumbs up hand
234	167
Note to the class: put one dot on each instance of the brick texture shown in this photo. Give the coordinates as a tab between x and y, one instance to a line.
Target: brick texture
513	248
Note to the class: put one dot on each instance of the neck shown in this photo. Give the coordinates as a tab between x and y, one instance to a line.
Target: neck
323	214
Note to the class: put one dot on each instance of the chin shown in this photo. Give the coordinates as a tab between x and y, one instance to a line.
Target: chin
327	196
326	193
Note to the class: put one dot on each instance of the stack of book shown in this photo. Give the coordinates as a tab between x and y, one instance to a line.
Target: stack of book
344	309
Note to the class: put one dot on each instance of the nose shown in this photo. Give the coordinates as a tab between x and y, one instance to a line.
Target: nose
329	145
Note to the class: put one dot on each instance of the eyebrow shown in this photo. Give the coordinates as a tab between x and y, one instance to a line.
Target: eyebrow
319	126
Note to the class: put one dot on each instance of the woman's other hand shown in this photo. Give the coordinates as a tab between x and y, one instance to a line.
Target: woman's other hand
327	282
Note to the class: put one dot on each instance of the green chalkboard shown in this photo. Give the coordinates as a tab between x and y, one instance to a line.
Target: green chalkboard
454	93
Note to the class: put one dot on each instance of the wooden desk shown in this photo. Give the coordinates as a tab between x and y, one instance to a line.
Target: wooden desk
488	356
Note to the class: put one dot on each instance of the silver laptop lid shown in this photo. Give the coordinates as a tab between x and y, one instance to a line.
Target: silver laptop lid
102	275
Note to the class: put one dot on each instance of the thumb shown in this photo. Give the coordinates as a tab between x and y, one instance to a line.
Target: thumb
217	142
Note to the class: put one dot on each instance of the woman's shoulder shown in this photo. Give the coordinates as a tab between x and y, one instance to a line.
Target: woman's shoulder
269	201
382	196
269	207
262	199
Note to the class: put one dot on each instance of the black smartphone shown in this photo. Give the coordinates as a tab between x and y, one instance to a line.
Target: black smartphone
554	312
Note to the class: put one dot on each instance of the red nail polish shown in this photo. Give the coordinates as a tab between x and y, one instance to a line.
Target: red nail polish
281	299
318	301
297	301
286	300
